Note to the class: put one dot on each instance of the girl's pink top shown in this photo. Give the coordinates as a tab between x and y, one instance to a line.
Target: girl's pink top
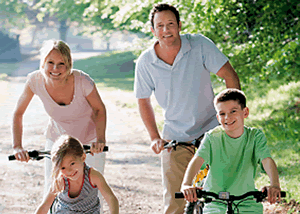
76	118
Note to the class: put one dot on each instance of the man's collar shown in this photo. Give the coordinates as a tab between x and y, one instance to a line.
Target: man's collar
185	47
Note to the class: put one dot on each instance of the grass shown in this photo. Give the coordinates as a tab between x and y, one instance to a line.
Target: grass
113	70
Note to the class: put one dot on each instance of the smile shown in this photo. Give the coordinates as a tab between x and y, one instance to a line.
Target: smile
74	174
228	124
55	74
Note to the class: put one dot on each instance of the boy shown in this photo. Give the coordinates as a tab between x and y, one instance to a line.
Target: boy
233	151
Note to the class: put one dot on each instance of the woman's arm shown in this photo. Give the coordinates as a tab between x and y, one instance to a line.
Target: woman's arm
46	204
99	118
99	181
17	127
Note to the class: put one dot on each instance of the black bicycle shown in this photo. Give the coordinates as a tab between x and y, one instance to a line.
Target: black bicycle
40	154
174	143
205	197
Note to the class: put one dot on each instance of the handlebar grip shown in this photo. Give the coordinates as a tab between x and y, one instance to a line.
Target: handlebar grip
31	154
179	195
87	147
11	157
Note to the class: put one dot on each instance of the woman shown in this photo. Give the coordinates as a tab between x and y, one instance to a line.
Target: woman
72	101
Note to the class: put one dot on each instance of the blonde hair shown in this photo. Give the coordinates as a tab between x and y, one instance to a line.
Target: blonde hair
65	145
61	47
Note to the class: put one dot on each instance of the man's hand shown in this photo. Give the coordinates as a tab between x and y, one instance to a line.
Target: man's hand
97	146
273	193
157	145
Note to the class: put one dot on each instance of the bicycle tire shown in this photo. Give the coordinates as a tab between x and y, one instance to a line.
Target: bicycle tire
193	208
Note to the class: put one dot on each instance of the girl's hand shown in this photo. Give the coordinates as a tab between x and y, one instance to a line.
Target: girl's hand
273	193
97	147
189	193
21	154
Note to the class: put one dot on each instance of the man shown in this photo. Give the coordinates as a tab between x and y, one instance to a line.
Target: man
177	68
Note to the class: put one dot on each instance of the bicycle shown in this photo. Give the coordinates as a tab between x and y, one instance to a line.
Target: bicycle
205	197
40	154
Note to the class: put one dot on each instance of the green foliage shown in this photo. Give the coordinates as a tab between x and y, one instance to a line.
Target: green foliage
113	69
12	14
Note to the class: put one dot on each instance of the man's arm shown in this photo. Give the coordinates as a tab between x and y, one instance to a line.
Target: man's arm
274	188
148	117
231	78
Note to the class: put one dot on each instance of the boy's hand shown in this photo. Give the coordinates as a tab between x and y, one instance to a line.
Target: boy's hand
189	193
273	193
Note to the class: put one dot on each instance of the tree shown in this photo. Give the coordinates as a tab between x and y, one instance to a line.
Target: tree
261	38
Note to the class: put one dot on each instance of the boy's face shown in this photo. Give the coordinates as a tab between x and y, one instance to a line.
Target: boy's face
231	116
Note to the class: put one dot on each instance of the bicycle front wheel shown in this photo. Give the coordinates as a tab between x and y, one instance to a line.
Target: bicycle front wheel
193	208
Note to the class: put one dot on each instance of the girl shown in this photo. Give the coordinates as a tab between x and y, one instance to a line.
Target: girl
75	185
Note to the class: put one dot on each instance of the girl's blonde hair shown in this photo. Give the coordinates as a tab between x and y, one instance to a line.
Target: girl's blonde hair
61	47
65	145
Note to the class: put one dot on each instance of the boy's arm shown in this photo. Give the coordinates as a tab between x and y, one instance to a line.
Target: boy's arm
274	188
46	204
99	181
186	188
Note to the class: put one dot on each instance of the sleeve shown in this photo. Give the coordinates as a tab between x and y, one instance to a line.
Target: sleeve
87	84
261	150
143	82
213	58
204	150
32	81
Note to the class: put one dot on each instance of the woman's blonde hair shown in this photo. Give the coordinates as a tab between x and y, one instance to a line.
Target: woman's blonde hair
65	145
61	47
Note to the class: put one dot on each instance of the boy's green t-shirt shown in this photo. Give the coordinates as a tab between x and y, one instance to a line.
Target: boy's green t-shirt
233	163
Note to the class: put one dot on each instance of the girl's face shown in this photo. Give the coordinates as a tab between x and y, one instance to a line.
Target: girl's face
55	67
72	166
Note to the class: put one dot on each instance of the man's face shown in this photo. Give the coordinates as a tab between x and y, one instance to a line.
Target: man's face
166	28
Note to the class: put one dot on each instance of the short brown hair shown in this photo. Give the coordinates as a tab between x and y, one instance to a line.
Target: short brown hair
231	94
163	7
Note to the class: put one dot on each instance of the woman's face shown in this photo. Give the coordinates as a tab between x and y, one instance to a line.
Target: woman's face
55	67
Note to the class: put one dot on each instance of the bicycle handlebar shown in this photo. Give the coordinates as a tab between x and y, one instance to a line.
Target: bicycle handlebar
38	154
256	194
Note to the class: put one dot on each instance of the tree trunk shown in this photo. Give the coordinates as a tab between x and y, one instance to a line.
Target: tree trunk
63	29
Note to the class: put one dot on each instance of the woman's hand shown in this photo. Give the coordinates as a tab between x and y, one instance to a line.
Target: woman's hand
21	154
97	146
